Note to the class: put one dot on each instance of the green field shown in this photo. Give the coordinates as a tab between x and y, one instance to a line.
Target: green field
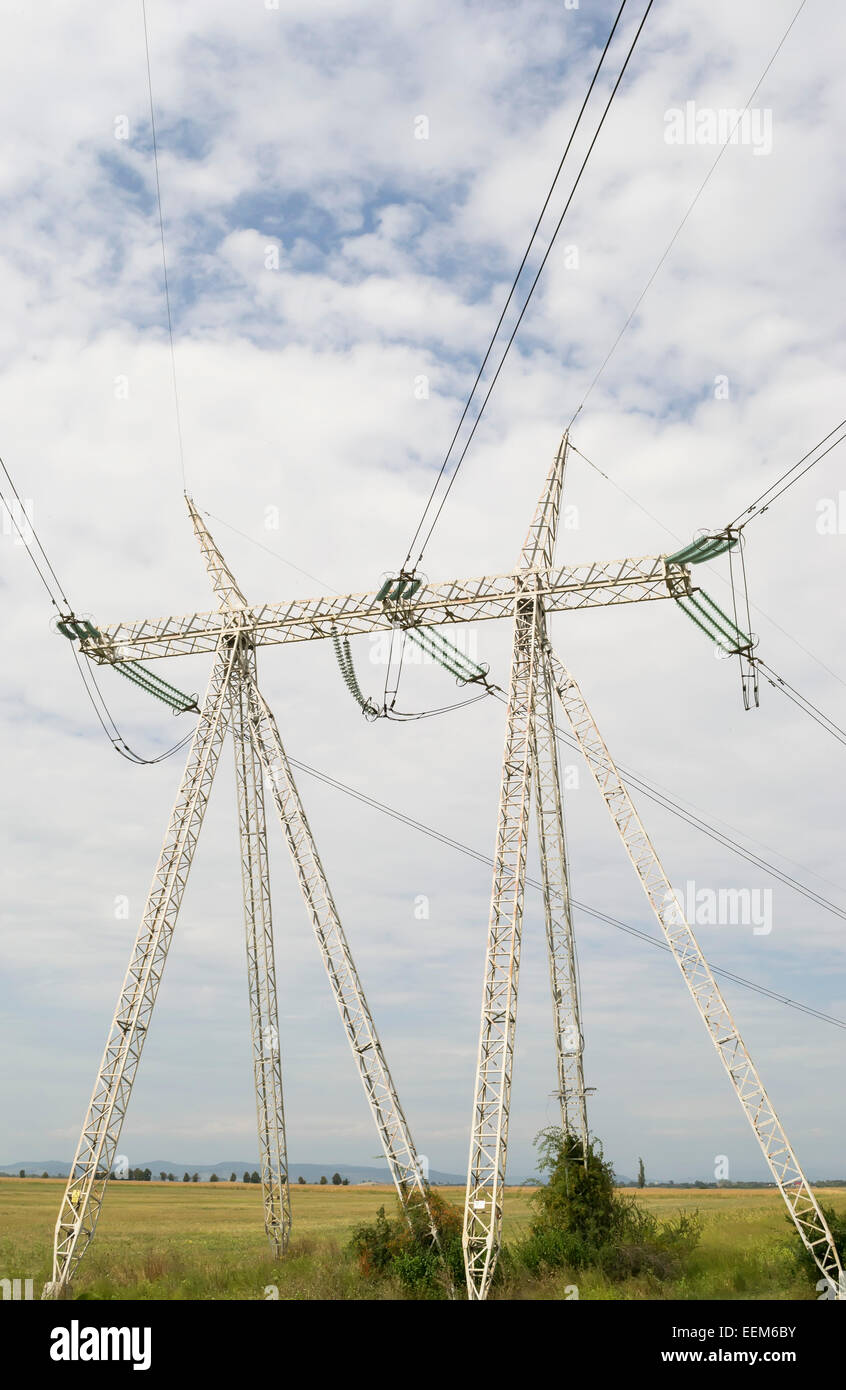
205	1241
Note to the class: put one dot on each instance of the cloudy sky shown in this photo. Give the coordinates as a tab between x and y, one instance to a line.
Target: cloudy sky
324	260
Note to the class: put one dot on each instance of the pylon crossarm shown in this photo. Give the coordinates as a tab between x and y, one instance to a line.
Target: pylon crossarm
598	584
261	968
489	1135
560	940
366	1048
713	1009
98	1141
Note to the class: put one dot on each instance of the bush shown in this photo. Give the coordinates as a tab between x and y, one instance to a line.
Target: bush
583	1220
403	1248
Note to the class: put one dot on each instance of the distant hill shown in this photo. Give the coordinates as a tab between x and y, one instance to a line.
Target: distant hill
312	1172
355	1172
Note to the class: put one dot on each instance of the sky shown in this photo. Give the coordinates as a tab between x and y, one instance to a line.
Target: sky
347	191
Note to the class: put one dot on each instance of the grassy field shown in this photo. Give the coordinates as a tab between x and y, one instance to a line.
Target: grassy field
205	1241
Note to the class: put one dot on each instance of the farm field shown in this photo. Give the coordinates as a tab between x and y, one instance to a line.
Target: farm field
205	1241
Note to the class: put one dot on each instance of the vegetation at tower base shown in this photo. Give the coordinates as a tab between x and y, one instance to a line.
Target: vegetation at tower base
401	1247
581	1220
802	1256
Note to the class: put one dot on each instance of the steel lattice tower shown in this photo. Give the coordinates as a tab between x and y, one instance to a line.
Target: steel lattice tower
232	699
232	633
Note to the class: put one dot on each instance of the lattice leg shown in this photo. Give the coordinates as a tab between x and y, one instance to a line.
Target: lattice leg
569	1039
261	969
343	977
100	1133
489	1138
713	1009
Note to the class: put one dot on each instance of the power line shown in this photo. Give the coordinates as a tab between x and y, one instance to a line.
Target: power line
673	239
712	832
802	702
270	551
24	541
754	509
514	282
627	495
481	858
164	255
116	738
527	301
65	609
676	537
718	970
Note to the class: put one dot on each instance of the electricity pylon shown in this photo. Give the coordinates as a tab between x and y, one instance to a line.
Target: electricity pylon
535	674
233	698
233	632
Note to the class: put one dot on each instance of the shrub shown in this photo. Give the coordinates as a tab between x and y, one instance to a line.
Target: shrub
402	1247
583	1220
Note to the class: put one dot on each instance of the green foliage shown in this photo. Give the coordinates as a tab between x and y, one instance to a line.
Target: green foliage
641	1173
336	1179
802	1257
323	1182
582	1221
403	1248
301	1182
214	1178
